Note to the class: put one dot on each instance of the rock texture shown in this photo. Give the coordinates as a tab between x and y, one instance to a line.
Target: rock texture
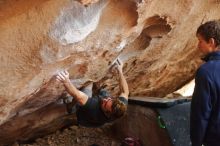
87	2
154	38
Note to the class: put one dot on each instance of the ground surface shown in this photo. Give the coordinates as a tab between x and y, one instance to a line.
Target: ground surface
77	136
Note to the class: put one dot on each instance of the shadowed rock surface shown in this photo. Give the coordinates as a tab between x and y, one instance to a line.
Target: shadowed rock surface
38	38
139	122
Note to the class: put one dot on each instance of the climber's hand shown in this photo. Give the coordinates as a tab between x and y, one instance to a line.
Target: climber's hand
119	65
63	76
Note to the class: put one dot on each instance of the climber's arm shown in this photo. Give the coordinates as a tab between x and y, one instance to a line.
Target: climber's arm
80	97
122	81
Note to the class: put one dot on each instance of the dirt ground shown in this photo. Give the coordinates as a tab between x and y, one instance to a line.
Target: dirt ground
77	136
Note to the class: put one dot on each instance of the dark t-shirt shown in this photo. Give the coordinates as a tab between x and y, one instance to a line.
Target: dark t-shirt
91	114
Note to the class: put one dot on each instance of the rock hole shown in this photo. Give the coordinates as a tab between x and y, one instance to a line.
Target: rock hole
156	27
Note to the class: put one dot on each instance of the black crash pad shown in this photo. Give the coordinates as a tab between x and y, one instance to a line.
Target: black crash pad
173	114
177	121
156	102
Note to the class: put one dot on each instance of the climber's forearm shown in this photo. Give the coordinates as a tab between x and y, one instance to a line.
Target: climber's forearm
123	85
80	97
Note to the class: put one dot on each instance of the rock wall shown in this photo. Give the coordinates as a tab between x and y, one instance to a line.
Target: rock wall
154	38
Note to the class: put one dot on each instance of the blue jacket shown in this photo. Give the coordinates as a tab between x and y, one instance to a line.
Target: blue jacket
205	106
